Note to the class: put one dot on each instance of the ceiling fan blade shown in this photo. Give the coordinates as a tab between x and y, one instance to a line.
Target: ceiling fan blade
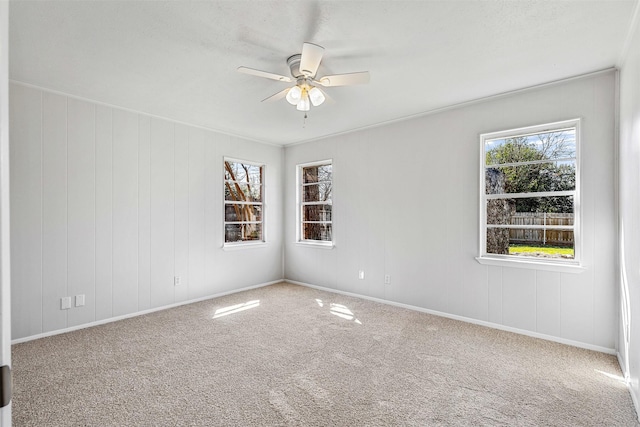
278	96
327	99
345	79
265	74
310	59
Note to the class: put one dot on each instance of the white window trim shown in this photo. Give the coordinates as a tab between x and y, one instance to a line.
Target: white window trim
311	243
567	266
249	243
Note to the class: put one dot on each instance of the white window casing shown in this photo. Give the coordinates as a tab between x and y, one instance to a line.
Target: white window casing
314	218
243	204
530	205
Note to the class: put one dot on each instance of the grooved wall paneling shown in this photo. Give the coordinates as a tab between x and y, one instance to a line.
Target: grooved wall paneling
412	187
548	298
26	210
197	213
163	208
112	204
125	213
81	212
104	213
144	213
54	210
519	298
181	217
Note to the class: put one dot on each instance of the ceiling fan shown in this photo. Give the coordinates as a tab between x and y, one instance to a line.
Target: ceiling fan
303	68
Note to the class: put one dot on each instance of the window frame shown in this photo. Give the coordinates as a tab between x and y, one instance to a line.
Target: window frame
328	244
245	243
553	264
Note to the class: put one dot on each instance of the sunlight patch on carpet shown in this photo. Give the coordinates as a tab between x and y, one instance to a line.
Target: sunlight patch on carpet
236	308
343	312
612	376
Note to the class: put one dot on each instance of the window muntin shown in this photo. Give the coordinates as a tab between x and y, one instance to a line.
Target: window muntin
315	202
243	202
529	194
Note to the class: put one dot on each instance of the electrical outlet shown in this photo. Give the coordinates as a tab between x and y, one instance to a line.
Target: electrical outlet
79	300
361	274
65	303
176	280
387	279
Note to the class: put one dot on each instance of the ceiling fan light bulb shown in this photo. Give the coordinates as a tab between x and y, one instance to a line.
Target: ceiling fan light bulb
303	105
294	95
316	96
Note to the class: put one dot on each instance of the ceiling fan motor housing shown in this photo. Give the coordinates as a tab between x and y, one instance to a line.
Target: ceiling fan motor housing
294	65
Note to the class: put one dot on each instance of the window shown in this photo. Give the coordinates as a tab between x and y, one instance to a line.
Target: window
243	202
315	204
529	194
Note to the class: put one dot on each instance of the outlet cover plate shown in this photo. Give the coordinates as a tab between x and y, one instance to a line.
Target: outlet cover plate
79	300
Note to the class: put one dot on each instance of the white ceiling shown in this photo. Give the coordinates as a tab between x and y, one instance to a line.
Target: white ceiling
178	59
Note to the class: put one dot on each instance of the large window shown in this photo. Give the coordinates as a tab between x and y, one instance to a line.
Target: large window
315	184
243	202
530	194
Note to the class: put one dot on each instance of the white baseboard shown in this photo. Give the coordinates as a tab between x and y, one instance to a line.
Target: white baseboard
139	313
466	319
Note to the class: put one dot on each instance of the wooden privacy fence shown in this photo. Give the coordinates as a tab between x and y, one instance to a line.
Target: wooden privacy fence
541	236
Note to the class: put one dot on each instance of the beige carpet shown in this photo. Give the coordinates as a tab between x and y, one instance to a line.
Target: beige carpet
289	355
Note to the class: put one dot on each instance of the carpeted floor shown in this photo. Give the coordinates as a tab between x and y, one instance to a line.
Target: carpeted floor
289	355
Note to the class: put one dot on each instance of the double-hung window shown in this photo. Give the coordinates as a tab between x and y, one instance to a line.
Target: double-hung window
243	202
315	185
530	208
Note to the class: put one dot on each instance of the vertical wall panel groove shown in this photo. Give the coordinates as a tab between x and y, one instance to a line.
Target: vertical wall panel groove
144	214
174	209
111	302
181	212
66	183
95	208
41	211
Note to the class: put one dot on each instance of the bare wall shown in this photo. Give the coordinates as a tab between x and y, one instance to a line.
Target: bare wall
629	219
406	204
113	204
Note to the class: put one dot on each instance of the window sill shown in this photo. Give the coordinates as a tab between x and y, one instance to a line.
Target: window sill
248	245
328	245
534	265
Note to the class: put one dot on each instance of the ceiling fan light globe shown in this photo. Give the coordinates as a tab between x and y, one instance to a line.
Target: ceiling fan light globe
304	105
316	96
294	95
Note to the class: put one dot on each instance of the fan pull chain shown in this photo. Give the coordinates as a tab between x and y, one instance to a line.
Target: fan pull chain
304	121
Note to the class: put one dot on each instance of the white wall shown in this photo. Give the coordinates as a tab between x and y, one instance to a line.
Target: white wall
406	204
629	219
5	248
113	204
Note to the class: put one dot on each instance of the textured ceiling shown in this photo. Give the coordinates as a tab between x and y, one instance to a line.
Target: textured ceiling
178	59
